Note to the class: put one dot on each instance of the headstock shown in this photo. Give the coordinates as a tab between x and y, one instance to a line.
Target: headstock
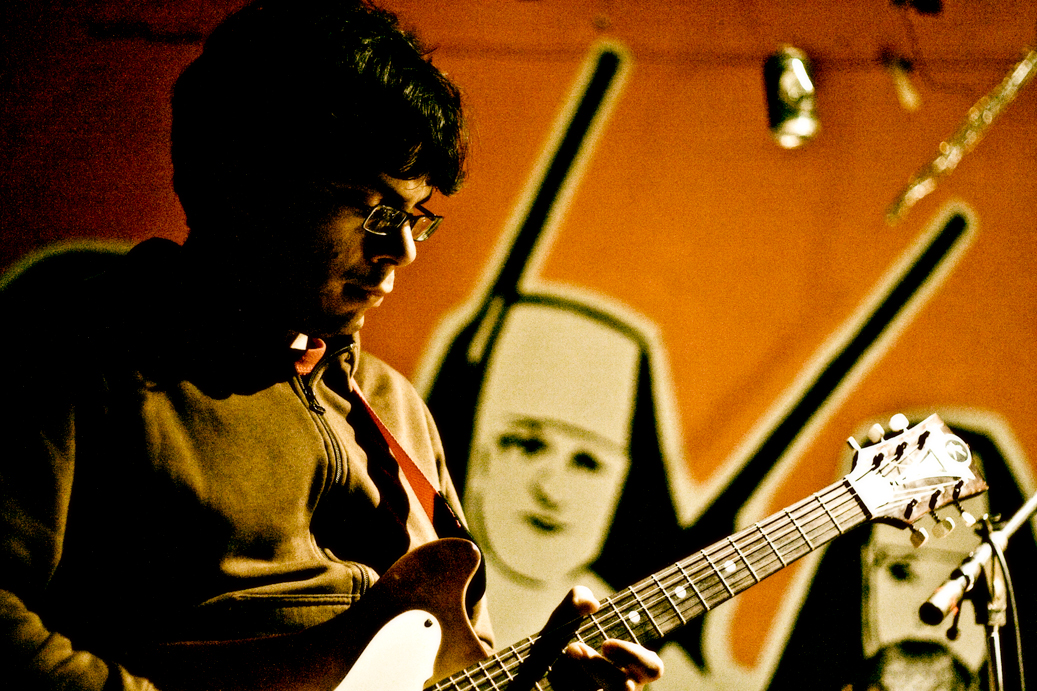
907	473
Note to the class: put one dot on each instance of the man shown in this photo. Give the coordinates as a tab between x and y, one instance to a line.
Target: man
198	489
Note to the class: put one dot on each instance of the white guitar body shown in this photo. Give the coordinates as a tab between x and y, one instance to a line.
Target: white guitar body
400	657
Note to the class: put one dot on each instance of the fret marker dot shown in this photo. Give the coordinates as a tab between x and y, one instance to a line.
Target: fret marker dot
729	567
634	617
680	592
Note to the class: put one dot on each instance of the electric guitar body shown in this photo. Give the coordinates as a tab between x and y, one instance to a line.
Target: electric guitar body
390	640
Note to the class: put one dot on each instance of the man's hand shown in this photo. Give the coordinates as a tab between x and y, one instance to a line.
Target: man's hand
618	666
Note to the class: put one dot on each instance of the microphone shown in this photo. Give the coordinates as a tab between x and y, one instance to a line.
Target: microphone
948	596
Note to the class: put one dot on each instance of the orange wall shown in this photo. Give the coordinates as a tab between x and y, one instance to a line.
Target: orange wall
746	258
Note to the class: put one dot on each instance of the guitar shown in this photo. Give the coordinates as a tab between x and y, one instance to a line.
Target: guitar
392	638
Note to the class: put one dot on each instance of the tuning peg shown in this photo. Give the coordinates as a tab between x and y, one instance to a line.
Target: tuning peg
875	433
853	444
967	518
919	536
943	526
898	423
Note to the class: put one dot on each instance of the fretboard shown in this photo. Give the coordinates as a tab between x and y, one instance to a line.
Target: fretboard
656	606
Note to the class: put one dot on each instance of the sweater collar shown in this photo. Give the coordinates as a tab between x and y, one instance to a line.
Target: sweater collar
309	351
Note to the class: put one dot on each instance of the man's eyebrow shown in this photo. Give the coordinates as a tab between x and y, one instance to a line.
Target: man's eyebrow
382	189
388	192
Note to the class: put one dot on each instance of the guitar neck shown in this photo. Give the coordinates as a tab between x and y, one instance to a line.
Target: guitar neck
656	606
651	609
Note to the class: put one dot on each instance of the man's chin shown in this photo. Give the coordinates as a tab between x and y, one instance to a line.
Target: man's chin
330	327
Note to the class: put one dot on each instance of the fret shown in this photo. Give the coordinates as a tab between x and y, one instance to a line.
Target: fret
507	672
519	656
719	575
830	514
770	544
601	629
744	560
713	574
640	613
669	598
468	676
648	612
488	675
800	529
694	587
622	619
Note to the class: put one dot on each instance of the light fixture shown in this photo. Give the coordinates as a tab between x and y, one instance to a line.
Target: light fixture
899	69
789	83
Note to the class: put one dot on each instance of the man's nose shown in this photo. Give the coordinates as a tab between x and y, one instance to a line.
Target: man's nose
396	247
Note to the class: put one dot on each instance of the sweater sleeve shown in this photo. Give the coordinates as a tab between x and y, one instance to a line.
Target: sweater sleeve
44	660
36	473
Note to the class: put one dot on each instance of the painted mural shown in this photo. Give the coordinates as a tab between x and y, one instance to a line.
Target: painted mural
644	326
556	410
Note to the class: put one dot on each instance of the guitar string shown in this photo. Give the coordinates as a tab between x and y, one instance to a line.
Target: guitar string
812	530
806	521
518	656
760	539
742	547
743	577
750	541
748	548
661	610
716	587
832	512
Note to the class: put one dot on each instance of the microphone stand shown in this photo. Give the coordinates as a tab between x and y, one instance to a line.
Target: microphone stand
989	601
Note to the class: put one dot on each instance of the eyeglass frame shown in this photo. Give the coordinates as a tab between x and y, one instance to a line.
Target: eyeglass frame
412	219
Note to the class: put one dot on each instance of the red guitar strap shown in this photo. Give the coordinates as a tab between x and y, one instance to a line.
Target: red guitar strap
449	525
418	482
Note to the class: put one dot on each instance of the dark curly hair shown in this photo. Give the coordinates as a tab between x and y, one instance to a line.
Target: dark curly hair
290	95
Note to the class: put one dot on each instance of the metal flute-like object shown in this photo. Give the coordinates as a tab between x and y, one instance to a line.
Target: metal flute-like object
979	118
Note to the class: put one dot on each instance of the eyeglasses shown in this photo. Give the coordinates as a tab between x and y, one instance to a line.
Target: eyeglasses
385	219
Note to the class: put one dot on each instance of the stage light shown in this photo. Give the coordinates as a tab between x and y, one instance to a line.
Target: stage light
791	108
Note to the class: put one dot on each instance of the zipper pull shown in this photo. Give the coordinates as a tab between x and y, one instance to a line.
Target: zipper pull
311	399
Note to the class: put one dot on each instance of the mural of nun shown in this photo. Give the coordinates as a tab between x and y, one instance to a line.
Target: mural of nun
564	478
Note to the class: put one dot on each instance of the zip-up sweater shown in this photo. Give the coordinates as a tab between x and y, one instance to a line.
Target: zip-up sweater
170	476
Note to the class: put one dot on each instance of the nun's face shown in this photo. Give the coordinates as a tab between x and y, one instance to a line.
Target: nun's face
547	494
550	447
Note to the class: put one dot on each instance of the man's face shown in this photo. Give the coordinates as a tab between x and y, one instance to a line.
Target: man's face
335	271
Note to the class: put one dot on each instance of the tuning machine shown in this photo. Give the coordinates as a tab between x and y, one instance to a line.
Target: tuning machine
944	525
897	424
941	528
919	536
967	518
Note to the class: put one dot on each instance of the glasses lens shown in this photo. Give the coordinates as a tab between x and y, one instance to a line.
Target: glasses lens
383	219
424	226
